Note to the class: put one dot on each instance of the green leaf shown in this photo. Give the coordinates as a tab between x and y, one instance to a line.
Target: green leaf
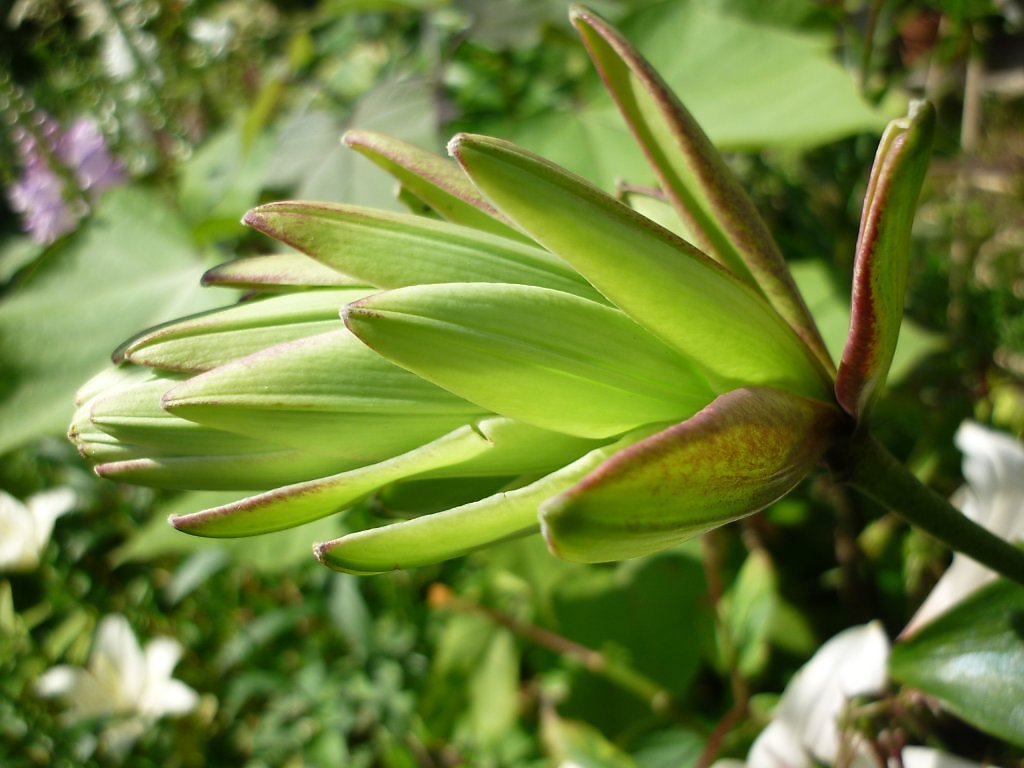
880	270
327	391
275	272
701	187
577	744
392	250
747	84
544	357
673	290
434	180
133	265
971	658
457	531
747	449
310	159
304	502
209	339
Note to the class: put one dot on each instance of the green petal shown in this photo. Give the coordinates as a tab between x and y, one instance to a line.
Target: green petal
454	532
741	453
206	340
391	250
304	502
701	187
673	290
434	180
540	356
276	272
327	393
880	270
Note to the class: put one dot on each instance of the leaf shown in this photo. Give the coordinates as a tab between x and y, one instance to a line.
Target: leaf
391	250
747	84
131	266
577	745
301	503
701	187
310	159
209	339
971	658
747	449
327	391
457	531
674	291
547	358
434	180
880	269
275	272
494	690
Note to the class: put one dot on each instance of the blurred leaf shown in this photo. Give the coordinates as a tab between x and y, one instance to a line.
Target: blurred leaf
757	86
749	606
574	744
193	572
832	314
669	749
350	615
221	181
971	659
309	154
132	265
494	690
622	611
17	252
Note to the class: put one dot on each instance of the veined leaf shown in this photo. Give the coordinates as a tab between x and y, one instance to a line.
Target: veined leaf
454	532
209	339
880	270
276	272
677	293
698	183
391	250
744	451
327	391
434	180
293	505
544	357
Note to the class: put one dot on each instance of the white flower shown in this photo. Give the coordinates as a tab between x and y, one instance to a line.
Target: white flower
808	718
122	681
993	497
808	729
25	528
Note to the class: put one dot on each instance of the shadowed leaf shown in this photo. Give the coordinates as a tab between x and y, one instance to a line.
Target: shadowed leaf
274	272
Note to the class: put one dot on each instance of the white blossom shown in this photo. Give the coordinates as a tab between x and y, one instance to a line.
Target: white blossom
993	497
25	528
131	686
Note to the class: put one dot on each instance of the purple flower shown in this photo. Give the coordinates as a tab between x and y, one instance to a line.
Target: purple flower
47	207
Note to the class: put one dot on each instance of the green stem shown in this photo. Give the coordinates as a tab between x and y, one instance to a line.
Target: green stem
866	465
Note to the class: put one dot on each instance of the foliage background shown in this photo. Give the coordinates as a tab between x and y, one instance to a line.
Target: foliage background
508	656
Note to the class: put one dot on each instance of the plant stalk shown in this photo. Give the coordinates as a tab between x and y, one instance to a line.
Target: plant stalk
865	464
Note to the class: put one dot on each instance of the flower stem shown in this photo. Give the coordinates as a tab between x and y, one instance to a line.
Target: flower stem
865	464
